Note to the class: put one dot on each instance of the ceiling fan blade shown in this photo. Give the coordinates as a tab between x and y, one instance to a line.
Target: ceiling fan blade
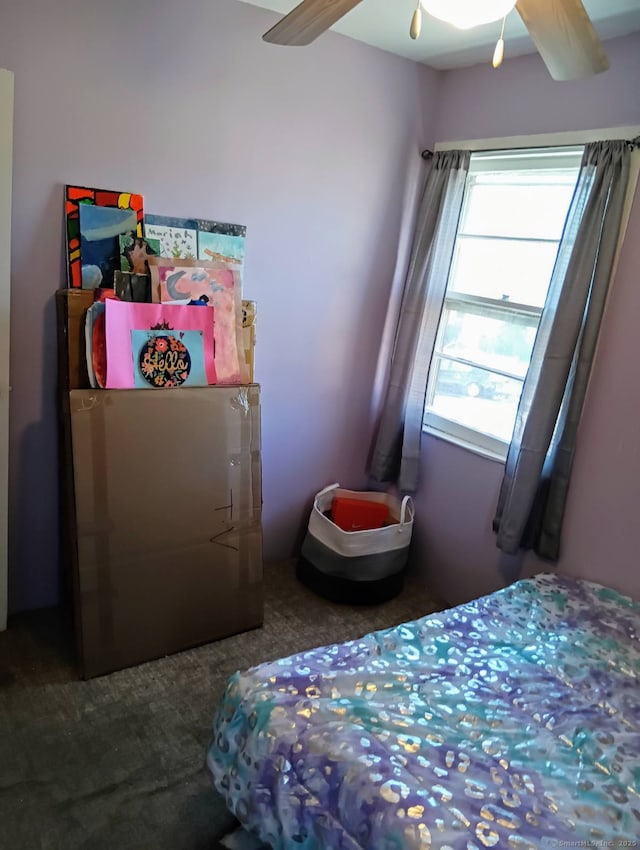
308	20
565	37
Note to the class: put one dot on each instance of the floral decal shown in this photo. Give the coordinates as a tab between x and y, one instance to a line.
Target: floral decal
165	361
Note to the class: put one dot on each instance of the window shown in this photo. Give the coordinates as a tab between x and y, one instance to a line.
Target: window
515	205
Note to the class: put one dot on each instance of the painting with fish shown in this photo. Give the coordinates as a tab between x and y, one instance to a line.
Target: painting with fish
220	242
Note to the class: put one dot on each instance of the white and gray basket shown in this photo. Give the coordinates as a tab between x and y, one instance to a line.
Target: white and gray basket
358	567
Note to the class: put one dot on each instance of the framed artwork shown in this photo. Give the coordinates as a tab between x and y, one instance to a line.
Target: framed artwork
95	219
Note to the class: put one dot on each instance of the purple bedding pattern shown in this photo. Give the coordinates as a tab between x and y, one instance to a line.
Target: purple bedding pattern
511	722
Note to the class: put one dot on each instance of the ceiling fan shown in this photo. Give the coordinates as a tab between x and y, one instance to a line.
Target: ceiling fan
560	29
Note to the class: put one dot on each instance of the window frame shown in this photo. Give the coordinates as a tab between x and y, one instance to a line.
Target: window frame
554	156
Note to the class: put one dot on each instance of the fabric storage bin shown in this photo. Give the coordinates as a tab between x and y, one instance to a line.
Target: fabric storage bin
356	567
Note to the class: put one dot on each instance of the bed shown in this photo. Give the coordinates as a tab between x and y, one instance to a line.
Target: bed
512	722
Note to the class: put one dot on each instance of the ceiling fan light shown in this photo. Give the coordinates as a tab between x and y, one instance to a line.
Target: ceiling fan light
416	23
465	14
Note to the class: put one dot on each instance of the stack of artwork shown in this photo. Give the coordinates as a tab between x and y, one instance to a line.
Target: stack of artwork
174	314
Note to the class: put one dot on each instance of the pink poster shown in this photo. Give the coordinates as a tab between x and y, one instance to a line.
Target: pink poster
216	285
123	317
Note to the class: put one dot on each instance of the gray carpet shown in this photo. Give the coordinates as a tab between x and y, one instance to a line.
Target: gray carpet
116	763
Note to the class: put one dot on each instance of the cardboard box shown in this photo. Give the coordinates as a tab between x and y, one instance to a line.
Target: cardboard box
71	308
168	513
249	337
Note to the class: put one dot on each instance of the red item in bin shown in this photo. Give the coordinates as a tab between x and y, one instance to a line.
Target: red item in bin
358	514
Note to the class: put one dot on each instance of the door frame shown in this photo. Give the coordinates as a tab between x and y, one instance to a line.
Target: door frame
6	170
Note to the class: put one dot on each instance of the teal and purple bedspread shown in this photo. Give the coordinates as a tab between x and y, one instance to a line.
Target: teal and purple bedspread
510	722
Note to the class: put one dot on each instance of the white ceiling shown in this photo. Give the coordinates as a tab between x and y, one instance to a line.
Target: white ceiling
385	24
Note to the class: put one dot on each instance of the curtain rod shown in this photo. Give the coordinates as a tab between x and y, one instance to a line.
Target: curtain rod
565	138
632	143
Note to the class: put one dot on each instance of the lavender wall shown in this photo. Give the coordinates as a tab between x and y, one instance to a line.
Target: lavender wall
309	148
456	547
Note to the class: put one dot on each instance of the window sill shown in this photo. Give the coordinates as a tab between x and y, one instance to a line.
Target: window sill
497	457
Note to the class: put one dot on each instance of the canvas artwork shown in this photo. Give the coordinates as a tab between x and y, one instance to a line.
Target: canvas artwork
219	242
134	252
95	219
219	287
164	359
178	237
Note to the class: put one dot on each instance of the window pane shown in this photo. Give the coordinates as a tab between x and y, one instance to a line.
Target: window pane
533	209
474	397
512	271
486	338
514	211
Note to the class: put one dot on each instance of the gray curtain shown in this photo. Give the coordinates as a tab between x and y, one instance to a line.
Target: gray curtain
534	489
396	451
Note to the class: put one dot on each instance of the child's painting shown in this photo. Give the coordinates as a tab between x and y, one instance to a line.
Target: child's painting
217	286
95	219
134	252
177	283
164	359
223	243
178	237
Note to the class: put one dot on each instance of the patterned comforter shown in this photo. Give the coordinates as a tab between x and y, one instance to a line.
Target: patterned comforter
510	722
